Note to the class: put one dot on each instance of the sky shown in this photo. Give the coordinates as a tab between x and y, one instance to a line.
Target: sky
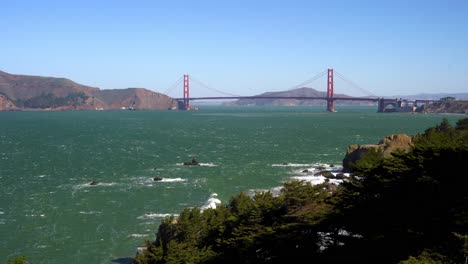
241	47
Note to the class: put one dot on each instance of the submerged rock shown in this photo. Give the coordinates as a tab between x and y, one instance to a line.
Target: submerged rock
94	183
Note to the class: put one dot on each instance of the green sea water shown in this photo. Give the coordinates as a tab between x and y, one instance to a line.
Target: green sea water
50	213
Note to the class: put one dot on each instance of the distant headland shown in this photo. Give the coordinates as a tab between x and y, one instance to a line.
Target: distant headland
32	93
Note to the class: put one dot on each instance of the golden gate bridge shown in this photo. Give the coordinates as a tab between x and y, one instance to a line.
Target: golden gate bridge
383	104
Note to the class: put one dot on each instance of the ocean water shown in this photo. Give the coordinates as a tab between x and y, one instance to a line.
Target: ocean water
50	213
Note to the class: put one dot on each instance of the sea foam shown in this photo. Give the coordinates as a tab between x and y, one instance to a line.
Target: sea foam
212	202
138	235
154	216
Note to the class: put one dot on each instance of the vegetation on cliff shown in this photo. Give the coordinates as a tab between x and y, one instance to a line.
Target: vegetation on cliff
23	92
446	106
409	207
49	100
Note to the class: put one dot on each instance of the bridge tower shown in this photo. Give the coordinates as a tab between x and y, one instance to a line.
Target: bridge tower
186	92
330	101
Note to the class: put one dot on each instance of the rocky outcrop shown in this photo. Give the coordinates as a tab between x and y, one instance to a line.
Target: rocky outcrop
194	162
6	104
386	147
453	107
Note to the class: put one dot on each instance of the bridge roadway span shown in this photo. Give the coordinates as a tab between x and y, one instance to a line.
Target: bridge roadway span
368	99
283	97
383	103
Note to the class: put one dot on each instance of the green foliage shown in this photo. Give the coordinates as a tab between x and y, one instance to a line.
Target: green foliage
369	161
49	100
447	99
19	260
427	257
462	124
407	208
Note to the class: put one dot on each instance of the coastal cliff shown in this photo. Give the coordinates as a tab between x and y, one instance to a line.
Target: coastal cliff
24	92
453	106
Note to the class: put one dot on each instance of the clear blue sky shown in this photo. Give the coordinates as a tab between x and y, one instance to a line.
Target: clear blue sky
241	47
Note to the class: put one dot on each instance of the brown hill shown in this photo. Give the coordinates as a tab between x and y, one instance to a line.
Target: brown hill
304	91
23	92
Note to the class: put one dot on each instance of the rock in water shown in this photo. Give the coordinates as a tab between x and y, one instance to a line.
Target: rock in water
194	162
387	146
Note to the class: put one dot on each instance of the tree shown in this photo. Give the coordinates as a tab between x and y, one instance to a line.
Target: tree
19	260
462	124
447	99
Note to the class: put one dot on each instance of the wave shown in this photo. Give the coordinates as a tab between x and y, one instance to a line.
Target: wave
208	165
317	179
35	215
88	185
172	180
155	216
212	202
89	212
292	165
200	165
138	235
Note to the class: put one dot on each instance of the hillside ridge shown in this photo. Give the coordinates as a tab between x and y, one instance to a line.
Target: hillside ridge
27	92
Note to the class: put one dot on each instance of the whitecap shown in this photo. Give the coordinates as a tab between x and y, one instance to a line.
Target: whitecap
138	235
291	165
199	165
172	180
212	202
312	179
317	179
88	185
154	216
42	246
1	213
208	165
89	212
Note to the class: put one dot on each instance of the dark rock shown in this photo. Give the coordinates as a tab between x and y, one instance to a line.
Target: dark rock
157	179
326	174
94	183
340	176
194	162
305	171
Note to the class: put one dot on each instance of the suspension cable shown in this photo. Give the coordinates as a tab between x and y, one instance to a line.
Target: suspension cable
354	85
308	81
212	89
168	90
